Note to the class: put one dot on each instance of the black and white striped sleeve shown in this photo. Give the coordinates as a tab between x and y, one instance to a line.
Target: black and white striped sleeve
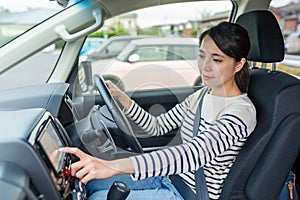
159	125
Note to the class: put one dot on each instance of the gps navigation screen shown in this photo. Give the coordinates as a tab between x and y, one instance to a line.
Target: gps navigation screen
50	143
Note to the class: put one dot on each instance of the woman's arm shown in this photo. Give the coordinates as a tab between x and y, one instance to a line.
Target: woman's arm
154	126
89	167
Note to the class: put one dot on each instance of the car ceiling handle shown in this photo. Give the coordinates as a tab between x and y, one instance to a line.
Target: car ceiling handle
65	35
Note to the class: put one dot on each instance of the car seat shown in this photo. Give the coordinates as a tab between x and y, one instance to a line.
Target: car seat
262	166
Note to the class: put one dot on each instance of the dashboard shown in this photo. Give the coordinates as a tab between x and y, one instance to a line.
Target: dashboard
32	167
32	124
36	121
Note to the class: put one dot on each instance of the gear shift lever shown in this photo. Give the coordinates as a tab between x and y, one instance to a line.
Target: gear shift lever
118	191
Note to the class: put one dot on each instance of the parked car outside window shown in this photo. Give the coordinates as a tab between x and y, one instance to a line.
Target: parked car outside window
111	48
153	63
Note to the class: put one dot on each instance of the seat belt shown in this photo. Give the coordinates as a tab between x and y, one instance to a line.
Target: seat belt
201	187
185	191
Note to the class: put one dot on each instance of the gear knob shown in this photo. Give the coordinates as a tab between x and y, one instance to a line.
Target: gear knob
118	191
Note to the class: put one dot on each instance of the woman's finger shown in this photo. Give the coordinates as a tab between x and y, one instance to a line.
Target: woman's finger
85	175
86	178
75	151
109	84
81	172
87	169
77	166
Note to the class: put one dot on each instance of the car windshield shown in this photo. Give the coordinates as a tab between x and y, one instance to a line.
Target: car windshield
17	16
20	16
167	46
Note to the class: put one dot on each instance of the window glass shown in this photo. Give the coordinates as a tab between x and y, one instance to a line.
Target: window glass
151	63
18	16
185	52
287	13
116	46
152	53
34	70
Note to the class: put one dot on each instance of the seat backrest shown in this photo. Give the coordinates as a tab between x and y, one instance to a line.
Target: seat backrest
262	166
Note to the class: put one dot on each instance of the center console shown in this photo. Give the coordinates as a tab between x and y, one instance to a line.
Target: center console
49	139
31	167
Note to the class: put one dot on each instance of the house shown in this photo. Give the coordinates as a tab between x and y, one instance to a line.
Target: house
126	21
288	17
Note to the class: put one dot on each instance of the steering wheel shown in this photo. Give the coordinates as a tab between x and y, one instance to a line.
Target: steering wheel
118	115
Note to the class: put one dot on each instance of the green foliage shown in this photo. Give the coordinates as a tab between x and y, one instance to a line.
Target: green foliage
59	44
97	34
155	30
112	32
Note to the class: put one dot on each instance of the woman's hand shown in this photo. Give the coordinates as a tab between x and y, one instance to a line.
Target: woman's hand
119	95
89	167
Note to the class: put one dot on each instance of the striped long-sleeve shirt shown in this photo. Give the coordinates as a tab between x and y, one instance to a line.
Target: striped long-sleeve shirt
225	124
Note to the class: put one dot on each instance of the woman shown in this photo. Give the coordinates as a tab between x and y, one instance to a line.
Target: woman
227	119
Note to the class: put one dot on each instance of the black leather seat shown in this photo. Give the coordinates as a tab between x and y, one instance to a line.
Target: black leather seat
263	164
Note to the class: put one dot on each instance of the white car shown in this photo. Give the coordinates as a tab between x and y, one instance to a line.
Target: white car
112	47
153	63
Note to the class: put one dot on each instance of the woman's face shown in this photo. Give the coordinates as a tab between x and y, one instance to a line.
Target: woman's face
216	68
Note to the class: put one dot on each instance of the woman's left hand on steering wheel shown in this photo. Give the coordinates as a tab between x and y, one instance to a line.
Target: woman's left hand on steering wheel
119	95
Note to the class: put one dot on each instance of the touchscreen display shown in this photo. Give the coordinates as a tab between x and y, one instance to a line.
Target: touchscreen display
50	142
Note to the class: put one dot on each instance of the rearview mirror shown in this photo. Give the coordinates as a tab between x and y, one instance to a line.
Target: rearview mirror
62	3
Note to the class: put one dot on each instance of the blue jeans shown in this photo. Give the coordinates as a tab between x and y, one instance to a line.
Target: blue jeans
146	189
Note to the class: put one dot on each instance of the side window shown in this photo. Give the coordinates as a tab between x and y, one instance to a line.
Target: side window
184	52
164	57
152	54
116	46
173	53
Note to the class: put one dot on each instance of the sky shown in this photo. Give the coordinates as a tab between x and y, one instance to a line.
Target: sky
169	14
23	4
278	3
165	15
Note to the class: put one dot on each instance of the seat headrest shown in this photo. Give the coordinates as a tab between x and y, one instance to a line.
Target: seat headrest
267	44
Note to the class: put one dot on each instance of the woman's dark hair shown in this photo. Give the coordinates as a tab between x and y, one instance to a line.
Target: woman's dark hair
232	40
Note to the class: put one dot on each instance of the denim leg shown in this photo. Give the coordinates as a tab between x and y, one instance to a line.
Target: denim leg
141	189
154	194
169	186
105	184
